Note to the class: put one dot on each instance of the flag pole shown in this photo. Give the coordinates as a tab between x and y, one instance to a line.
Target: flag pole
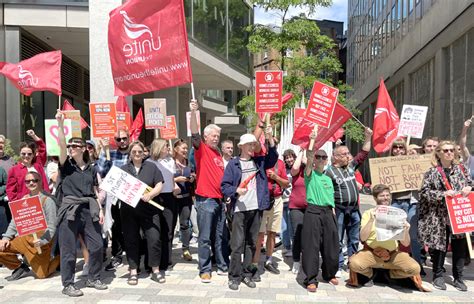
355	118
192	91
59	102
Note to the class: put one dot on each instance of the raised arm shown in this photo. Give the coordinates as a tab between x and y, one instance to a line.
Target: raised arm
196	138
367	141
258	133
463	139
61	138
295	169
40	156
310	153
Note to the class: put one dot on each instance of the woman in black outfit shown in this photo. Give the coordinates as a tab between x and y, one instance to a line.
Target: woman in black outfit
144	216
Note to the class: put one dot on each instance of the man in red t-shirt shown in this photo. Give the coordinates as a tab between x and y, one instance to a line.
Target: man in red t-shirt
209	206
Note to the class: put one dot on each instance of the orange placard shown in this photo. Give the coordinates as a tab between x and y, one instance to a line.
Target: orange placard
123	121
103	119
170	132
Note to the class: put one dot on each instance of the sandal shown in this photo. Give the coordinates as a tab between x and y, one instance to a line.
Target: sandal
132	280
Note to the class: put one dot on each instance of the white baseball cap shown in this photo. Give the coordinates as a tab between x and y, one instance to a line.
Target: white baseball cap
246	139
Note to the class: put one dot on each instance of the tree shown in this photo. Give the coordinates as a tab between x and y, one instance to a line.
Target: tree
313	56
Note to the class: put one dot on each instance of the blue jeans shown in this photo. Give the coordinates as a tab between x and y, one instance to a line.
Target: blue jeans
412	219
348	222
286	229
211	222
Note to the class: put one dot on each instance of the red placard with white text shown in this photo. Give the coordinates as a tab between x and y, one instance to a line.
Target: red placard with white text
321	104
103	119
461	213
28	215
299	115
268	91
170	132
124	121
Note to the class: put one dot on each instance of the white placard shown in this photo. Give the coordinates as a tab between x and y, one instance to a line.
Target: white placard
412	121
124	186
389	223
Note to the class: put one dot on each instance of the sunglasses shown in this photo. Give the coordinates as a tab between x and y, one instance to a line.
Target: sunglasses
448	150
398	147
26	154
119	139
319	157
74	146
34	181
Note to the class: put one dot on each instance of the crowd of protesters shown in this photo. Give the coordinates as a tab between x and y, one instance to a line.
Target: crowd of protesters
308	198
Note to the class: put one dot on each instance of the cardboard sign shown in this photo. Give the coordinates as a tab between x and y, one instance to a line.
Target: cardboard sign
155	113
75	117
170	132
299	115
461	213
400	173
103	119
124	121
321	104
188	122
412	121
28	215
51	131
124	186
268	91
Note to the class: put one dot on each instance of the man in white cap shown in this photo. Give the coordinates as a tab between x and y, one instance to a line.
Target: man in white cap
245	183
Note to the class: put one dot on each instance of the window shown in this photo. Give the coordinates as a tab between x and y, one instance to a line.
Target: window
422	91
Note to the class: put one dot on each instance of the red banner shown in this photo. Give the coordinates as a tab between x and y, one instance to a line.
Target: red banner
299	116
461	213
301	135
137	126
38	73
170	132
28	215
386	121
103	119
148	46
268	91
321	104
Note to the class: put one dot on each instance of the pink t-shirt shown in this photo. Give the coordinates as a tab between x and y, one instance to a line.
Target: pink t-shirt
298	192
209	171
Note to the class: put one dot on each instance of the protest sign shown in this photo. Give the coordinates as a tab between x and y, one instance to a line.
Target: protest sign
188	122
412	121
389	223
51	135
124	186
321	104
400	173
28	215
123	121
75	117
268	91
299	115
170	132
461	213
103	119
155	113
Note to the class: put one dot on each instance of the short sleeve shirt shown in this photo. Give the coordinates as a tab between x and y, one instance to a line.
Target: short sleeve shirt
77	182
298	192
319	189
167	168
372	239
209	171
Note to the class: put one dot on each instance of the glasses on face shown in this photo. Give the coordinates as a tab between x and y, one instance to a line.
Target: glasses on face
90	147
448	150
28	181
319	157
344	154
139	152
120	139
26	154
74	146
398	147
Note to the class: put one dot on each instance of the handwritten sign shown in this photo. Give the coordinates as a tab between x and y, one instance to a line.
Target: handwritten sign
75	117
170	132
124	186
51	131
268	91
400	173
103	119
28	215
155	113
321	104
123	121
461	213
412	121
188	122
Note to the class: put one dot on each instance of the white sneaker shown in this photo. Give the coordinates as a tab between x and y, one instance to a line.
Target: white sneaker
339	274
296	267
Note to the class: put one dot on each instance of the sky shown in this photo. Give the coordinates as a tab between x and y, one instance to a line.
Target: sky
337	12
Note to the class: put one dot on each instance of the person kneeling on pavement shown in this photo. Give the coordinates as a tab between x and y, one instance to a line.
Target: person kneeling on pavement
382	254
11	245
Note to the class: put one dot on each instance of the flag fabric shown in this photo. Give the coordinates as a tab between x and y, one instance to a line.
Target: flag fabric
302	132
284	100
148	46
337	135
137	126
386	121
38	73
68	107
122	105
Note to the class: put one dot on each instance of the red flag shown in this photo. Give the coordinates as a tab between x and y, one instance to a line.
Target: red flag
122	105
137	126
337	135
284	100
68	107
148	46
386	121
38	73
301	135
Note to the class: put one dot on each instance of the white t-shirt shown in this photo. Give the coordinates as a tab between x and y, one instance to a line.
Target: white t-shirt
168	169
249	201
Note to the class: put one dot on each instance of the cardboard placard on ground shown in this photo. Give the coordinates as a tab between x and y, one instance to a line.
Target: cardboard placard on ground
28	215
188	122
461	213
124	121
103	119
321	104
412	121
75	117
400	173
124	186
268	91
51	135
170	132
155	113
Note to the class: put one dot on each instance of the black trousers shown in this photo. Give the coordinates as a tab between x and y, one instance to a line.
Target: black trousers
134	219
67	236
168	218
245	227
319	235
459	250
117	234
185	205
297	216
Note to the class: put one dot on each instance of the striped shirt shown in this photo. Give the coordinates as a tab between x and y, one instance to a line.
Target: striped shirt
117	158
